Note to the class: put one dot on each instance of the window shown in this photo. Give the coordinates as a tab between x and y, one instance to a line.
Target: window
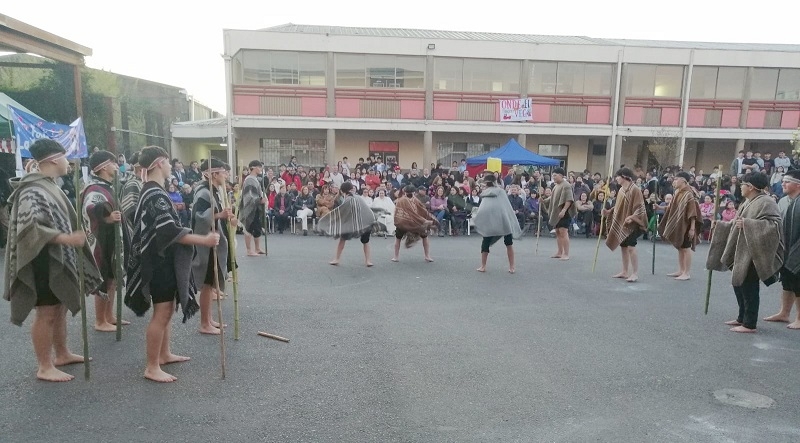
704	82
788	85
476	75
450	152
641	80
598	79
554	150
730	83
410	72
764	84
448	74
543	78
252	67
350	70
654	81
309	152
669	81
380	71
570	78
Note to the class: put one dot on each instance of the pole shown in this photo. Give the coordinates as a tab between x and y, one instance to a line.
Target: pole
716	208
232	255
266	227
602	222
79	262
653	232
539	224
118	271
215	264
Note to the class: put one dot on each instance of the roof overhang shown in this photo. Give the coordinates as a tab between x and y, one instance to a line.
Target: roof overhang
16	36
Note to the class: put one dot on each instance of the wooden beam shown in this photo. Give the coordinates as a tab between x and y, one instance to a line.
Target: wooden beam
27	65
22	43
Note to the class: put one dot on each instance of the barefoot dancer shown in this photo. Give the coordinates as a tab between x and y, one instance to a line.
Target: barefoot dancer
751	247
352	218
412	221
628	221
101	217
682	223
159	268
790	272
561	207
251	209
495	220
41	260
130	193
202	267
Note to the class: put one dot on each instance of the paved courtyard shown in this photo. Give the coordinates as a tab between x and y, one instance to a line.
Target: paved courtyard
418	352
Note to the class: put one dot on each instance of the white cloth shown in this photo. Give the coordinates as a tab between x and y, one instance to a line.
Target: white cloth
385	213
302	215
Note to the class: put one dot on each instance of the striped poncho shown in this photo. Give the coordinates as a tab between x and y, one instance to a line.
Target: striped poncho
351	219
681	215
629	203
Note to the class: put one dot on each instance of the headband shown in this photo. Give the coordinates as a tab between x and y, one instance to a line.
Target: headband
157	161
213	170
102	165
52	157
787	179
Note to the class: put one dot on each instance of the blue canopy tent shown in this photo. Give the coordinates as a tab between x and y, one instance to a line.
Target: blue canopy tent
510	154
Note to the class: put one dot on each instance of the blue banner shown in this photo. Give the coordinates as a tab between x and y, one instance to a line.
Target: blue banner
28	129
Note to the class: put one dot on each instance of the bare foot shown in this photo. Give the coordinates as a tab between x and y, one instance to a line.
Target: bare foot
395	259
334	263
632	279
733	323
511	270
216	324
481	269
210	330
778	318
105	327
743	329
556	256
69	359
565	258
794	325
620	275
261	253
369	264
253	254
674	274
172	358
124	322
428	259
53	374
159	375
682	277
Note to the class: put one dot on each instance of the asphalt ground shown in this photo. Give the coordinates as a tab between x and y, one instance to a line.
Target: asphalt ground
431	352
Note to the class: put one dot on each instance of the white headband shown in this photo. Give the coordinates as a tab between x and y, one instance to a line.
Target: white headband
788	179
102	165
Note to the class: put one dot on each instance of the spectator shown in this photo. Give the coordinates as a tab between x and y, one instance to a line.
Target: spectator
782	160
325	201
707	212
768	167
283	209
458	210
373	180
737	166
585	213
337	178
193	175
177	202
749	163
729	213
304	208
438	206
517	205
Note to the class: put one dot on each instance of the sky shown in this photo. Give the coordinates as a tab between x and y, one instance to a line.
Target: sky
180	43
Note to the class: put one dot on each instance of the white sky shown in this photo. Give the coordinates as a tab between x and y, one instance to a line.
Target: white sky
179	43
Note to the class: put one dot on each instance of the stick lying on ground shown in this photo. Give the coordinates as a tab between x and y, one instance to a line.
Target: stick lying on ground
274	337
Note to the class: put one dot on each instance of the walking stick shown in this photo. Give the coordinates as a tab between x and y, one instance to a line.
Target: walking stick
213	258
711	234
118	271
232	255
539	224
653	228
79	262
266	228
602	224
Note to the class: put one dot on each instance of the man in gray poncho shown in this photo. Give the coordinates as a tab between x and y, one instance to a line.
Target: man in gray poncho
790	272
751	246
494	220
251	209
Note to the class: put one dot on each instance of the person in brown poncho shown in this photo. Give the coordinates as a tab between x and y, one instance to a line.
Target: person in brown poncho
412	221
682	223
628	221
561	207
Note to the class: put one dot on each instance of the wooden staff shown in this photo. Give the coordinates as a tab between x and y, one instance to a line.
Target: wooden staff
266	227
118	271
602	223
215	265
711	234
273	336
232	255
654	233
79	263
539	223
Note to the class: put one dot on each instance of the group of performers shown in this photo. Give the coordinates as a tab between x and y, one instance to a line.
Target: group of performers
167	263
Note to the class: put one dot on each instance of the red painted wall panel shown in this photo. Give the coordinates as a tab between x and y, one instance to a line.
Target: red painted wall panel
670	116
246	105
790	119
633	115
348	107
445	110
541	113
697	117
312	107
598	114
730	118
412	109
755	118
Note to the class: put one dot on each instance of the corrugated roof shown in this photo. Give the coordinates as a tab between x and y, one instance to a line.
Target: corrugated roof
523	38
212	122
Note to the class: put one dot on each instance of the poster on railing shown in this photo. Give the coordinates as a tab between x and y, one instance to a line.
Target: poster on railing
516	110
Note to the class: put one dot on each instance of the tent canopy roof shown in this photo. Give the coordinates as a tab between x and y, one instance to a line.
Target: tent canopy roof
512	153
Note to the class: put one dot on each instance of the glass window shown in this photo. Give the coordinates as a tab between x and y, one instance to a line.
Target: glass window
669	81
448	73
505	75
237	68
543	78
477	75
788	85
704	82
350	70
284	69
569	78
641	80
730	83
554	150
256	67
380	71
765	82
312	68
410	72
598	79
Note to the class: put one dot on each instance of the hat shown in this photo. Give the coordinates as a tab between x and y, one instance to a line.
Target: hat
44	147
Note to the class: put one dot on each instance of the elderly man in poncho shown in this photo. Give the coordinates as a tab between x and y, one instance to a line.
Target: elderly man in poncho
412	221
751	246
682	223
496	220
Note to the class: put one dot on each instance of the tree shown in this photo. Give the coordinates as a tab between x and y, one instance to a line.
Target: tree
664	149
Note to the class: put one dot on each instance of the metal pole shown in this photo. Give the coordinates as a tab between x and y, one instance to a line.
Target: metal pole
615	116
229	105
685	107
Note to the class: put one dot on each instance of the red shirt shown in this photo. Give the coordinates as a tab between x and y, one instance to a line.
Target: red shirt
373	181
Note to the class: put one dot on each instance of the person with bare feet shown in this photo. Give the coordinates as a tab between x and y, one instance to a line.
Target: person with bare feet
561	207
41	260
412	221
682	223
790	272
495	220
628	221
101	217
160	264
352	218
751	247
251	208
204	216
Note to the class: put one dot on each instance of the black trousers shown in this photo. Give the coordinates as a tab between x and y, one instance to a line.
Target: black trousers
747	295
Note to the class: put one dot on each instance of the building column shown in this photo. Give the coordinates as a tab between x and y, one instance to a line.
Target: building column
330	147
522	139
687	89
330	86
231	138
748	81
615	143
427	149
429	87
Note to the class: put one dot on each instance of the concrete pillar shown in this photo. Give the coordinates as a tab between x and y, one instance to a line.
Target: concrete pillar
429	87
522	139
231	136
615	146
748	80
617	153
524	78
330	147
427	149
330	86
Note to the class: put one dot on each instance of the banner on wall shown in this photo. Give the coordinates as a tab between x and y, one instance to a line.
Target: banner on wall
29	128
516	110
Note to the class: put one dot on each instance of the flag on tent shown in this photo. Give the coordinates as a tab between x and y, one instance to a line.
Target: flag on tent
29	128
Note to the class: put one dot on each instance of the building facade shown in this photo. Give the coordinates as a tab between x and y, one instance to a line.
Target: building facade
322	93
